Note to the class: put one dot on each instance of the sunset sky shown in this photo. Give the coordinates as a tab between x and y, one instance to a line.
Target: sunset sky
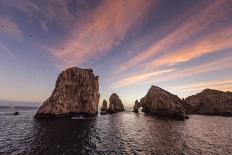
183	46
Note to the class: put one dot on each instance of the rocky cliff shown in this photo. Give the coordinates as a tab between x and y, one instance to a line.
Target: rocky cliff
104	108
76	92
161	103
136	106
104	105
209	102
115	104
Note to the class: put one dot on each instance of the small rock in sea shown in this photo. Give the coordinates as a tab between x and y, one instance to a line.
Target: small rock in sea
104	112
16	113
115	104
104	106
136	106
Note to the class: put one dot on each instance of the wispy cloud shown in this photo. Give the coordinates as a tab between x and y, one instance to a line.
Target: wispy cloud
5	49
211	43
222	84
9	27
173	74
44	26
108	25
51	11
138	78
203	68
194	25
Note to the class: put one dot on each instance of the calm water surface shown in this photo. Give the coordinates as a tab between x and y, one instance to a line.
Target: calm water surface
121	133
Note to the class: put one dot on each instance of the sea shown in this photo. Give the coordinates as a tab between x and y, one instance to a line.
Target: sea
120	133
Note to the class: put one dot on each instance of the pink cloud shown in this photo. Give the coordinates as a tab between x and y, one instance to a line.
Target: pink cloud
139	78
172	74
196	22
9	27
211	43
107	26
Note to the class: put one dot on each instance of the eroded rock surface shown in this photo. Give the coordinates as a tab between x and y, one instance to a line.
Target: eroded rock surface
76	91
115	104
209	102
104	108
136	106
104	105
162	103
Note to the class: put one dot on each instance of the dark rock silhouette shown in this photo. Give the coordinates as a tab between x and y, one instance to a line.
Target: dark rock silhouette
115	104
104	105
161	103
136	106
104	108
209	102
76	92
16	113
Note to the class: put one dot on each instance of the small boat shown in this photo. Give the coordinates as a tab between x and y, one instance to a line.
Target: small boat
78	116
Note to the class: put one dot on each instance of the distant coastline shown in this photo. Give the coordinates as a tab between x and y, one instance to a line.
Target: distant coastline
10	103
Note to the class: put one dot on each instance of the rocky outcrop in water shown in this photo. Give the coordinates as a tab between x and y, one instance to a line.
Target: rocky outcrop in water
104	108
162	103
104	105
76	92
115	104
209	102
136	106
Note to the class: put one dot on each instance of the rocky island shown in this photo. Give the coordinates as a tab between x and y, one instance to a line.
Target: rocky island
115	104
104	108
209	102
76	92
161	103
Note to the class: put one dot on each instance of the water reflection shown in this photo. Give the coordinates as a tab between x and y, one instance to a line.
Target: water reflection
121	133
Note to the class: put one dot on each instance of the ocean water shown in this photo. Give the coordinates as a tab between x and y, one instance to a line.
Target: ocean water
121	133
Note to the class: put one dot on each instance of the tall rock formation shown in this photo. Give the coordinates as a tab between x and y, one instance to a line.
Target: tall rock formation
162	103
76	92
209	102
104	108
136	106
115	104
104	105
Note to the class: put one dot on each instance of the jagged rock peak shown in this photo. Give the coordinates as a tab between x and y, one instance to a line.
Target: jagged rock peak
104	105
136	106
160	102
209	102
76	91
115	104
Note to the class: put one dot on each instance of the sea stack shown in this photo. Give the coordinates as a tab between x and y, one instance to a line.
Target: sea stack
162	103
136	106
209	102
104	108
76	92
115	104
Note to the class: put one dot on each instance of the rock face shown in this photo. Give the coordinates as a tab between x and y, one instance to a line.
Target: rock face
76	92
162	103
136	106
209	102
104	108
115	104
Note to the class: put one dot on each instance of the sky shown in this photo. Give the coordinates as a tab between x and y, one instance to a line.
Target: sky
183	46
